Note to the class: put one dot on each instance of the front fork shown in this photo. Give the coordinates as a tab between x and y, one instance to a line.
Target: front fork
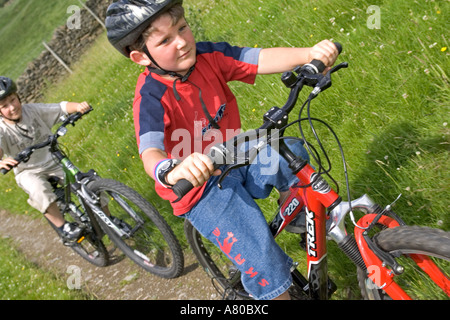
360	248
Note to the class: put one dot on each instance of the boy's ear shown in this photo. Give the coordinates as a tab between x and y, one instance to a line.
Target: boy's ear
140	57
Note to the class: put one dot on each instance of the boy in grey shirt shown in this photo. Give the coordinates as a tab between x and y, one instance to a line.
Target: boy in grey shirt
22	126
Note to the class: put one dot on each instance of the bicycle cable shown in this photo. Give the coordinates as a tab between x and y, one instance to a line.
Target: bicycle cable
316	155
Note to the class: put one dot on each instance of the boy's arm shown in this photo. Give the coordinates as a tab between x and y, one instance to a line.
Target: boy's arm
150	158
72	107
277	60
196	168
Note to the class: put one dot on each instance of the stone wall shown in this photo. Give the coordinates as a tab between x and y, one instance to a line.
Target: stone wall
68	44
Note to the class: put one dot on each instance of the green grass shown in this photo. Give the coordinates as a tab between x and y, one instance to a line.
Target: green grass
22	280
389	108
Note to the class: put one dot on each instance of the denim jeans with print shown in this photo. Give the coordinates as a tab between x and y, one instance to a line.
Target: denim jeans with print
230	218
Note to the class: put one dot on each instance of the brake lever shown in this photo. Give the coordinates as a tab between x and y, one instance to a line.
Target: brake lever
250	155
325	81
339	66
225	173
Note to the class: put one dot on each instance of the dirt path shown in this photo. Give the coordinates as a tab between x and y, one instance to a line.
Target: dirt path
120	281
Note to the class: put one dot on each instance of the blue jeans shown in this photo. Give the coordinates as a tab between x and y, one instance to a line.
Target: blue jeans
231	219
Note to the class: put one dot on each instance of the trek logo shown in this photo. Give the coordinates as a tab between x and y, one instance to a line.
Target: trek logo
291	207
319	184
311	234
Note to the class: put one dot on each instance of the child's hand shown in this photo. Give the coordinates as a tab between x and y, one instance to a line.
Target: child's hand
83	107
197	168
8	163
324	51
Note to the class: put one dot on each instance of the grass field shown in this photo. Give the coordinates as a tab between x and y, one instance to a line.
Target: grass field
390	108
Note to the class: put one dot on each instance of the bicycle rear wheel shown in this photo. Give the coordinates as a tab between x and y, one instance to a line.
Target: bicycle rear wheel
225	277
149	241
407	242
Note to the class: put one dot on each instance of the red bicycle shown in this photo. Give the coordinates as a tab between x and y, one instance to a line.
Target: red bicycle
393	260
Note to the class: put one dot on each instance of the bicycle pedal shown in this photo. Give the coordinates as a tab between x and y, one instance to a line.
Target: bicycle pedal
74	242
69	243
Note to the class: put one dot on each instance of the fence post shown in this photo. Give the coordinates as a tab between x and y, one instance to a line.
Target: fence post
93	14
57	57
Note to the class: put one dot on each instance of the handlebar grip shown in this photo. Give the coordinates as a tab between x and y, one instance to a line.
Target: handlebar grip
317	66
181	188
5	171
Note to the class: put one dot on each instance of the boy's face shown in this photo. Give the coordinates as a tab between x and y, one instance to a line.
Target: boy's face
172	46
11	108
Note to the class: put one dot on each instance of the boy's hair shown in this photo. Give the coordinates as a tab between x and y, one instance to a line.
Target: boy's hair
176	13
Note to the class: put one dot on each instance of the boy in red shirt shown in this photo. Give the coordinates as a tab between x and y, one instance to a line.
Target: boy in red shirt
182	106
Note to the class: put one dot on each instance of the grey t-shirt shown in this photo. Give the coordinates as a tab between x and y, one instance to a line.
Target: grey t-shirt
34	127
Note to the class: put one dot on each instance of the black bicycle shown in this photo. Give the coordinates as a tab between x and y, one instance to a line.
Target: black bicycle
102	206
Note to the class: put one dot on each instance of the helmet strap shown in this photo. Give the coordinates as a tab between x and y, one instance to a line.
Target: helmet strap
160	71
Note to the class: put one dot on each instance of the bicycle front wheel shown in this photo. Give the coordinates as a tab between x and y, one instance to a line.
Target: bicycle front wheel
147	238
414	246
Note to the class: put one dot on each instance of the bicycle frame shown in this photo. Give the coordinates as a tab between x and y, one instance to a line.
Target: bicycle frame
76	178
317	197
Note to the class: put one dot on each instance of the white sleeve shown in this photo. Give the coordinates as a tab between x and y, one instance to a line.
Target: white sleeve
63	105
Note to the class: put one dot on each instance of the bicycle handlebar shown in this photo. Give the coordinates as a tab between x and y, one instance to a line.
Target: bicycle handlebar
24	155
276	118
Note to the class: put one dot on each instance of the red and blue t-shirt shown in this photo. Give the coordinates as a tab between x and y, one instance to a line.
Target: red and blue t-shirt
179	126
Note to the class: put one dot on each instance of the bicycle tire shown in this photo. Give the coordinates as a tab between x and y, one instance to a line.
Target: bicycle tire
225	277
434	243
90	247
98	257
153	245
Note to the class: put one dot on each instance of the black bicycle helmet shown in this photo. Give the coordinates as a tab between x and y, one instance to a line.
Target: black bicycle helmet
7	87
127	19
